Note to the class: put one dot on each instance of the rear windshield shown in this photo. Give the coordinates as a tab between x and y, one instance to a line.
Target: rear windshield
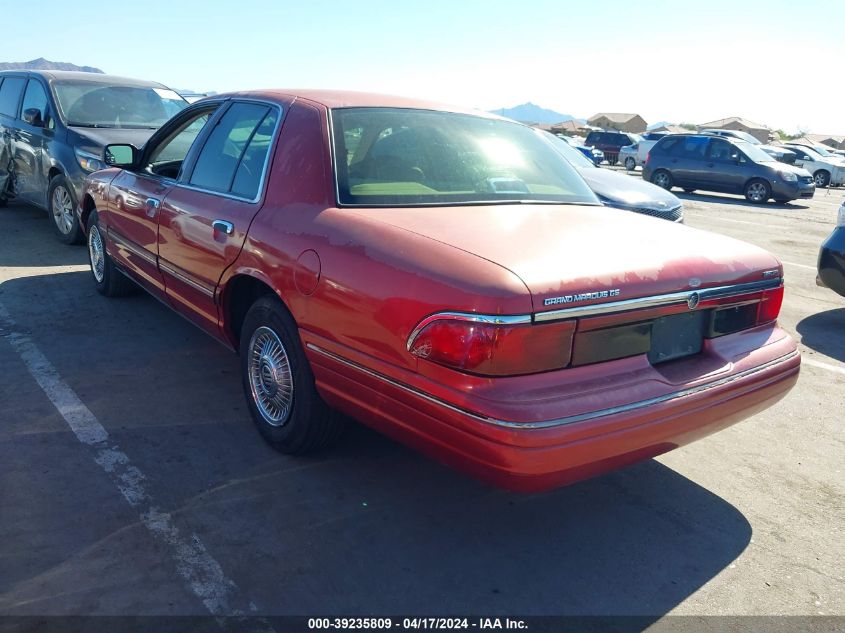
94	104
407	157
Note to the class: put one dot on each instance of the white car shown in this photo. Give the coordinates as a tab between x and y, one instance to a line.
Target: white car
826	170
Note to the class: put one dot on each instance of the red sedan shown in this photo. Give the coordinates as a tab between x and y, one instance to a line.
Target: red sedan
442	275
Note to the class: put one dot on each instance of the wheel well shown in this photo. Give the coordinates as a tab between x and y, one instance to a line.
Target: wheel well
88	206
240	293
54	171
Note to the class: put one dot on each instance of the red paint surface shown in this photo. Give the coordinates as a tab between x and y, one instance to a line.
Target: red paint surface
379	272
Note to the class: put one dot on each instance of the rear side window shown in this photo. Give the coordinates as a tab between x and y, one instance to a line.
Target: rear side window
692	147
248	177
10	95
229	161
666	145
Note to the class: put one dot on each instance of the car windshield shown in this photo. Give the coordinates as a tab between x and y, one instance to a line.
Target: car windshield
821	151
567	151
408	157
95	104
754	153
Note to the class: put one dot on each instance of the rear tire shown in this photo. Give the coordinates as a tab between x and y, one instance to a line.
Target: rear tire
279	385
822	178
630	164
758	191
62	205
662	179
109	280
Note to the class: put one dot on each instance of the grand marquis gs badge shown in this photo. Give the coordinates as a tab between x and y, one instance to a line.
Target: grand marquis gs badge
584	296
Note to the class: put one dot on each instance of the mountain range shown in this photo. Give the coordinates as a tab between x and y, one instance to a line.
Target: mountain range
532	113
45	64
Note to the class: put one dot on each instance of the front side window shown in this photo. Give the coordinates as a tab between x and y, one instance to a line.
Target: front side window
407	157
232	158
95	104
754	153
166	158
36	98
722	152
10	94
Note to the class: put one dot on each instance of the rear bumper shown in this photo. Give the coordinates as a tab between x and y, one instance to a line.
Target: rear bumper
557	439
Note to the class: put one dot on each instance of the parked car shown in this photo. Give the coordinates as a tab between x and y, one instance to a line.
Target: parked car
610	143
779	153
620	191
54	125
728	165
442	275
645	144
826	170
831	265
629	156
595	156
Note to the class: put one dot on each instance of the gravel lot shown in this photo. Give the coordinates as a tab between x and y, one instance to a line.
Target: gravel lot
182	509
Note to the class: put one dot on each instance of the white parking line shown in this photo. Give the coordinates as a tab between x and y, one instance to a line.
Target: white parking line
202	573
798	265
820	365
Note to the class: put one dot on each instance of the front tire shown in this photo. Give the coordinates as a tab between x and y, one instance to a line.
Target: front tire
279	385
757	191
662	179
109	280
822	178
62	206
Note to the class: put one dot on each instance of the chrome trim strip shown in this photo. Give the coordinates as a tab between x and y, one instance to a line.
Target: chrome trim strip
492	319
572	419
656	300
122	242
184	278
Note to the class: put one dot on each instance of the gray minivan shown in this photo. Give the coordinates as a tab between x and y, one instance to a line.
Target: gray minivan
727	165
54	126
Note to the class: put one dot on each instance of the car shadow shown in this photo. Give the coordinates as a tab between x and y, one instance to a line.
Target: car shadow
738	201
365	527
35	244
825	332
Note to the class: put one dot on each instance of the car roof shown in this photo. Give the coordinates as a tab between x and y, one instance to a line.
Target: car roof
333	99
72	75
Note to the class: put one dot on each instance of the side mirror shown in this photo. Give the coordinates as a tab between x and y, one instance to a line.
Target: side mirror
120	155
33	117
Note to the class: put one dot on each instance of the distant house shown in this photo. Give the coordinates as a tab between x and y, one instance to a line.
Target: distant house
570	128
758	131
618	121
833	140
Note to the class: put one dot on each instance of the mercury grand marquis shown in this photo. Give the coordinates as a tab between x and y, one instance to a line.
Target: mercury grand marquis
441	275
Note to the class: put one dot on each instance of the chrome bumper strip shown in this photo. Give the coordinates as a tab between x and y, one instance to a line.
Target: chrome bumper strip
572	419
656	300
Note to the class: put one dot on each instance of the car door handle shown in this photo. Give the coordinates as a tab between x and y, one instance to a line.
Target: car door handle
152	206
224	227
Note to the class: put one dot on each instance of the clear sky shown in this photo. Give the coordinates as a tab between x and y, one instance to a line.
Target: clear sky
777	62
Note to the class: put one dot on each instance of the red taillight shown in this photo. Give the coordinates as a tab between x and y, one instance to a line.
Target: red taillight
493	349
770	304
647	157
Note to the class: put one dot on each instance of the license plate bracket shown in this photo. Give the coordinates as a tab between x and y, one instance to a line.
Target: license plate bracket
676	336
